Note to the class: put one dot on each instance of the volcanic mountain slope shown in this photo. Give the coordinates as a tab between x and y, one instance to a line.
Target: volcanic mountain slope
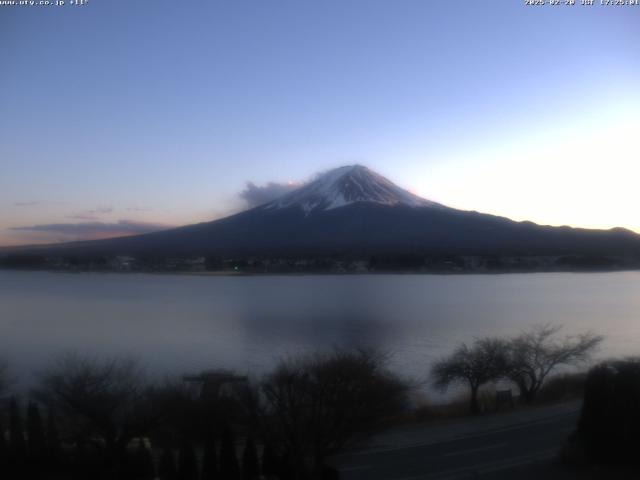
354	211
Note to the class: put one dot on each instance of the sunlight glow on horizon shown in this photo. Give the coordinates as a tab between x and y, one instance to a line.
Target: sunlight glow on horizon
579	171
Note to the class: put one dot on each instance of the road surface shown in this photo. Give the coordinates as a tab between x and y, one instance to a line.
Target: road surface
485	447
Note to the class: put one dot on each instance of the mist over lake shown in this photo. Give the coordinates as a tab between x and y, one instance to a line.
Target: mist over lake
184	323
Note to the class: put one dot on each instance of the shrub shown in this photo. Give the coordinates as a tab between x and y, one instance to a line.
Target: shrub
609	425
562	387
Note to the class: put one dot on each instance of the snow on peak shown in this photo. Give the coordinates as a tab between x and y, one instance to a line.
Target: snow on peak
344	186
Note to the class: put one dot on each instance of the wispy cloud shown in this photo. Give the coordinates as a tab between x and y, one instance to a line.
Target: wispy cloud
91	230
256	195
139	209
93	214
82	216
35	203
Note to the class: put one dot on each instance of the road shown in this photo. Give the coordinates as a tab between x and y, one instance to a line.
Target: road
480	448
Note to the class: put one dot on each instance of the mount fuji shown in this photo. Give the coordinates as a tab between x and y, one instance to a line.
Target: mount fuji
354	212
348	185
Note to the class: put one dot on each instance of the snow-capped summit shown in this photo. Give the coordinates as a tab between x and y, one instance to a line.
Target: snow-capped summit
347	185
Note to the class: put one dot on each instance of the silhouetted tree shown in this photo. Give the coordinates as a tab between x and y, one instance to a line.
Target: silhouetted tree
270	462
474	365
36	441
250	462
187	462
4	454
5	381
313	406
87	463
287	466
167	465
129	467
210	461
535	354
35	431
109	400
52	443
182	411
140	464
145	459
4	447
229	468
17	443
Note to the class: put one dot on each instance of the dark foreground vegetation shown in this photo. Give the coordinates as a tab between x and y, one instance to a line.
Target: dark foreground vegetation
90	419
98	419
608	431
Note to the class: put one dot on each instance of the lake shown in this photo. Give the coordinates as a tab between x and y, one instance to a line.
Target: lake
184	323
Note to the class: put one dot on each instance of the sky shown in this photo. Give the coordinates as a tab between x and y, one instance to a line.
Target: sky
119	117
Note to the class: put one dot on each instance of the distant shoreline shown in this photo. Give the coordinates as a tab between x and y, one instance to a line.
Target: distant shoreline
225	273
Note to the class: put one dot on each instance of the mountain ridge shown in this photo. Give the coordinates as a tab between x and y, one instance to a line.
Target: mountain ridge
355	212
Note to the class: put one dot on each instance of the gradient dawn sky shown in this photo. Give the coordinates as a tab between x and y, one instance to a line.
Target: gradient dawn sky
122	116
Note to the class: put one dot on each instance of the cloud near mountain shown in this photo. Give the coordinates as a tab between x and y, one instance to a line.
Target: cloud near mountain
256	195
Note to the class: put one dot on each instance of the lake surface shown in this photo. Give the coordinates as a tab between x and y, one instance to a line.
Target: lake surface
183	323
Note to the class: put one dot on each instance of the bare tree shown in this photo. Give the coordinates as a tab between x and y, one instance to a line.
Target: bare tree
314	406
474	365
5	380
100	401
533	355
